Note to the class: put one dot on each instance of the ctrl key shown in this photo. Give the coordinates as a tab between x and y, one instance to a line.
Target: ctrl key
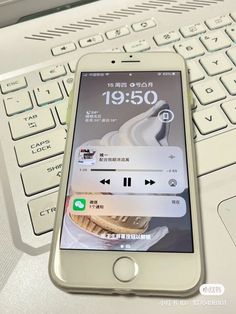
42	212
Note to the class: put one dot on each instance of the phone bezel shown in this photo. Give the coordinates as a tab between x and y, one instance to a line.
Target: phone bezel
160	273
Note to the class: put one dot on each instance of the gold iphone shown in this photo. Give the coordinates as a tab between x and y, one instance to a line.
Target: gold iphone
127	216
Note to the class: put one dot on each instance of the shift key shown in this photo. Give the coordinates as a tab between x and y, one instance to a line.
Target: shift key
40	147
42	177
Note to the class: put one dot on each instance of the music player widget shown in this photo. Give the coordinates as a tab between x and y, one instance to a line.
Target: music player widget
128	180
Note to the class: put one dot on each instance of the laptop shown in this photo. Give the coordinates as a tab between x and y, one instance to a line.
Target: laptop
32	51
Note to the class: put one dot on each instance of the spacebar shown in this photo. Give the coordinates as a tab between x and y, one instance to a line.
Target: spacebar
216	152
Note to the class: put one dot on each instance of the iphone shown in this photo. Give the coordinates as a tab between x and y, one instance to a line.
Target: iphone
128	216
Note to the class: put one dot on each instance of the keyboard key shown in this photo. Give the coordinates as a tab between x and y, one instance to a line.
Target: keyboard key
52	72
141	26
166	38
231	31
216	64
72	65
232	54
68	83
209	91
229	82
47	93
62	111
209	120
215	41
192	30
13	84
118	32
40	147
195	73
189	48
137	46
90	41
42	177
229	108
17	103
42	211
221	149
218	22
31	123
60	50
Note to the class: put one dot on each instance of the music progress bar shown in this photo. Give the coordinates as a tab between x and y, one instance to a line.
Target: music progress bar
134	170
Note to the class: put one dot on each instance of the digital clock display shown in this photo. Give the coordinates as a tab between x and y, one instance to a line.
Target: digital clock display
135	97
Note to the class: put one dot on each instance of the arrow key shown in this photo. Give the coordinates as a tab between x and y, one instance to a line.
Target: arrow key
209	120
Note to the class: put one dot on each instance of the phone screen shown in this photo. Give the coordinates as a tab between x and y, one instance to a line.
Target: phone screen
127	186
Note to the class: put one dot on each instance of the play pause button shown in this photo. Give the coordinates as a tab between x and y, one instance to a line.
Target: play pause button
105	181
151	182
127	181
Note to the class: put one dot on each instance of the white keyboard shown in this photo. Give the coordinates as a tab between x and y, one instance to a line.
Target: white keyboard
35	107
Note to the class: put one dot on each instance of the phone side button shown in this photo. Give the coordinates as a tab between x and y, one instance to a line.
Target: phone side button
125	269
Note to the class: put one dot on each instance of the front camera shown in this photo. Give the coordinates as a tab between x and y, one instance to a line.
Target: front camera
113	61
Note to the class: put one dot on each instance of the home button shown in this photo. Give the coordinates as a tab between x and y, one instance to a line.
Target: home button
125	269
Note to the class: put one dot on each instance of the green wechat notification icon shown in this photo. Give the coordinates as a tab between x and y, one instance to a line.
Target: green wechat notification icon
79	204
